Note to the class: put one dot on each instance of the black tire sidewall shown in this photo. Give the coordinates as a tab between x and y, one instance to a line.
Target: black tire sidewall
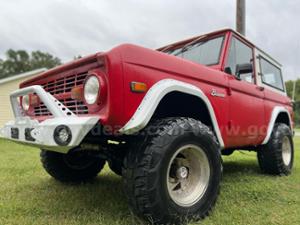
211	151
270	157
286	132
56	166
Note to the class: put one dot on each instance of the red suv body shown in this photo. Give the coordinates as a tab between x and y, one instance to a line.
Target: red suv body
160	118
243	109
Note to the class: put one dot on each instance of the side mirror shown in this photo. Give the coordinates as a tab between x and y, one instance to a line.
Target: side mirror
242	69
228	70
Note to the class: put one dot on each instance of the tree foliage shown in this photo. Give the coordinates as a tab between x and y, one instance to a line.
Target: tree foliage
289	88
20	61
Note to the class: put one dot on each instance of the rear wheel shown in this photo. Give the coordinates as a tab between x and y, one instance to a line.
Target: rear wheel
172	173
116	159
76	166
277	156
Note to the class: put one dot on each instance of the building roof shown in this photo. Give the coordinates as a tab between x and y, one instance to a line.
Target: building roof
22	75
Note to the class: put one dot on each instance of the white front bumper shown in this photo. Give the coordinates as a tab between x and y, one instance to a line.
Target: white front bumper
42	133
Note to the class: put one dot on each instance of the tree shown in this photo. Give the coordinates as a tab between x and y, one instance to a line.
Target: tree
40	59
20	61
289	88
77	57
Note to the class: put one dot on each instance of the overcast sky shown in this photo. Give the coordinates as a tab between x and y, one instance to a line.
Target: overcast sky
80	27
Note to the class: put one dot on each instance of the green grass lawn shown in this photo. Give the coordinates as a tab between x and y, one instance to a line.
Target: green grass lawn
29	196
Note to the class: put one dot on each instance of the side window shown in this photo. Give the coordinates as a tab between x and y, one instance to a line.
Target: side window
239	53
270	74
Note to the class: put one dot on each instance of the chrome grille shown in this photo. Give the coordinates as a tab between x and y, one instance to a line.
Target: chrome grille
64	84
61	86
77	107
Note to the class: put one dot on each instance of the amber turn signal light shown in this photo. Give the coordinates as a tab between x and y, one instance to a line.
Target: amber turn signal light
138	87
77	93
34	100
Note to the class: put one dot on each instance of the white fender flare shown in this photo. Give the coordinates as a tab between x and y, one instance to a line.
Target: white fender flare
275	113
153	97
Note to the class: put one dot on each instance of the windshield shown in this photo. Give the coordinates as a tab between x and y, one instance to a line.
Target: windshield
206	52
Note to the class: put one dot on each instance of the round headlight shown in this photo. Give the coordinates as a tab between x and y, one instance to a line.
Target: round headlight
25	102
91	90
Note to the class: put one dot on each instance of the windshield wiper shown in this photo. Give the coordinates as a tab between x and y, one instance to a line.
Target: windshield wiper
186	46
166	48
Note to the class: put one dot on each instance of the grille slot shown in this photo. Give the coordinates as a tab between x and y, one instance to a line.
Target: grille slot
77	107
61	86
64	84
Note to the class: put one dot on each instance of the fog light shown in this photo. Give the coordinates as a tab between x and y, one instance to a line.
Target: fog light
62	135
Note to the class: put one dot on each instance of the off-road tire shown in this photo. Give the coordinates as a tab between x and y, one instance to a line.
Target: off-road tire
145	170
56	166
270	157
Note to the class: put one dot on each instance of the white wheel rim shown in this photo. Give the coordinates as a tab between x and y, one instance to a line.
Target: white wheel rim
188	175
286	151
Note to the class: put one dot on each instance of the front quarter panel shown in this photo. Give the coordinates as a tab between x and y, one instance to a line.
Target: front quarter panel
150	67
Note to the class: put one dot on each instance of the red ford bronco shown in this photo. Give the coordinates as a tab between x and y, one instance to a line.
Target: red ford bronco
160	118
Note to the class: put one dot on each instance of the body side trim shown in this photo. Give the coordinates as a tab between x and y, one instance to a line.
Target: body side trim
153	97
275	113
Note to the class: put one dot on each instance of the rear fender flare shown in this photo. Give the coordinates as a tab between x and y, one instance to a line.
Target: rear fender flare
275	113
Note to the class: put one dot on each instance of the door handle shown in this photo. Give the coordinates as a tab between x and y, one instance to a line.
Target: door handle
260	88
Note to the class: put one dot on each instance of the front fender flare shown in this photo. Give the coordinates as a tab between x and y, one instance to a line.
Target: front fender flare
156	93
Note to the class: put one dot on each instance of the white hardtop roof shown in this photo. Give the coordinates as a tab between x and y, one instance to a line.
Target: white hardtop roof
221	31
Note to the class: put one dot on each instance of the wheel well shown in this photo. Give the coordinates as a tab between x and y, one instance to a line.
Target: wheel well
283	118
178	104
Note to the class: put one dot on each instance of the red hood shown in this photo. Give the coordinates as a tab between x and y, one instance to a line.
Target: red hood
63	68
140	56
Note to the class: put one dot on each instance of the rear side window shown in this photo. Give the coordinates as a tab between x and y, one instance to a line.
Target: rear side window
271	74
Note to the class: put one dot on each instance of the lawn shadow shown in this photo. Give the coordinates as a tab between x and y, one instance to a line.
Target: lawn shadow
102	198
246	166
238	167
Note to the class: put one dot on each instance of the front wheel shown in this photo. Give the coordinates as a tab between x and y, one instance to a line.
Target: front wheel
172	173
76	166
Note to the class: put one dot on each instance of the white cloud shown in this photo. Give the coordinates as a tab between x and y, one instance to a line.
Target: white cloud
80	27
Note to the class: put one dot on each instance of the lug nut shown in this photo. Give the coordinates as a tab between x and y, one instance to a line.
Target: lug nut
182	172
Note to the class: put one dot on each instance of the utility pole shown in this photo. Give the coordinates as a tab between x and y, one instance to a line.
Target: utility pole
241	17
294	90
